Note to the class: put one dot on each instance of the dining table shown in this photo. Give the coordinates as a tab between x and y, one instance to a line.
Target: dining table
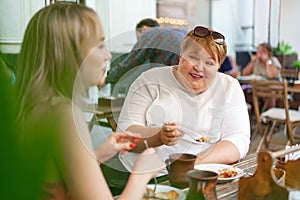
105	112
256	181
293	87
228	190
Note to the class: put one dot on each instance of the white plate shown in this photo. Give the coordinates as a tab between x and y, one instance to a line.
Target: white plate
166	188
218	167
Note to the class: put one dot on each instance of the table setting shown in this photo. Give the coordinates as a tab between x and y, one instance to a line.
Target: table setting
246	181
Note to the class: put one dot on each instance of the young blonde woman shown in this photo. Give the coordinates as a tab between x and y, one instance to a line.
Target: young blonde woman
63	53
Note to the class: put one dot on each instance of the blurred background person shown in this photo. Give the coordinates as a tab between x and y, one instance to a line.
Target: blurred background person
155	47
145	25
263	63
264	66
229	67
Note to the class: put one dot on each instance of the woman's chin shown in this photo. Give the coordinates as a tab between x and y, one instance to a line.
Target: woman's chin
100	84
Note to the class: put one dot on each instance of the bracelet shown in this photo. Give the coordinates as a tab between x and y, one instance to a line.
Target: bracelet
269	62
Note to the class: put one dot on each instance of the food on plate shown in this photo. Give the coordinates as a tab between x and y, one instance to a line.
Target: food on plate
170	195
227	173
149	193
202	139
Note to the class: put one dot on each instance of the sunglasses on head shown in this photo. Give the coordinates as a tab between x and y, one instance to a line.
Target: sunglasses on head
201	31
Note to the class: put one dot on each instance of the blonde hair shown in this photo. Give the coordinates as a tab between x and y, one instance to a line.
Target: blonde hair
56	40
217	51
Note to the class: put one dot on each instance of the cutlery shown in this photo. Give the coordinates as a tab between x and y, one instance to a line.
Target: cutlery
197	137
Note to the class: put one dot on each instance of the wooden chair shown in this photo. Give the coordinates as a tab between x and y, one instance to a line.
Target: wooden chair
267	89
289	73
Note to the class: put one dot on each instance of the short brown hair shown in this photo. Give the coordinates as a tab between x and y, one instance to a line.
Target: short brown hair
266	46
147	22
217	51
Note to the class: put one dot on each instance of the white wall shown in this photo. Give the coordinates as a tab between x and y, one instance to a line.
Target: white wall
261	21
229	16
119	19
234	18
14	16
289	24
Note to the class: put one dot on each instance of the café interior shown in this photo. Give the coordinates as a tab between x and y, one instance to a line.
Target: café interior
270	168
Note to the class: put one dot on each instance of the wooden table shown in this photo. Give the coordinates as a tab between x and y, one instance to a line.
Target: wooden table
291	88
257	178
229	190
107	112
248	79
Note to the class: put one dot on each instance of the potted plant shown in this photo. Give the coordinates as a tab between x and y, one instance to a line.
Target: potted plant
285	54
296	64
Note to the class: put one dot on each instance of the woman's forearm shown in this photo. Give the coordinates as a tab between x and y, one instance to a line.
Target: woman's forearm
223	152
135	186
248	70
272	71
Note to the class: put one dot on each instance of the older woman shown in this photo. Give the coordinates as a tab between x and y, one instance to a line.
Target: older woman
190	107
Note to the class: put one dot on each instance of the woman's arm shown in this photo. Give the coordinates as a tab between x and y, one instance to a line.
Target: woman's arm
235	70
272	70
168	134
223	152
248	70
147	166
115	143
235	137
81	170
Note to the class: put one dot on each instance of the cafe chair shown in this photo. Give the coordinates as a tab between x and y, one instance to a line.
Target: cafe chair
264	90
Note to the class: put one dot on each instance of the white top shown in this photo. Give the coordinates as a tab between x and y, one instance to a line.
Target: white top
157	97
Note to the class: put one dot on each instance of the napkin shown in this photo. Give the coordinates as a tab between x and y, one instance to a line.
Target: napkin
292	156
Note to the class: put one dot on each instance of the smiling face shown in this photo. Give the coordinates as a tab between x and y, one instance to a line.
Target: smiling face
200	59
196	69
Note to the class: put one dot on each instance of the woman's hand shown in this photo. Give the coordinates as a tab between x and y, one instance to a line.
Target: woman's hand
117	141
169	134
148	163
254	58
265	57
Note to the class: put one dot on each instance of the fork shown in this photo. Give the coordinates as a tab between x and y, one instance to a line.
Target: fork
155	179
192	135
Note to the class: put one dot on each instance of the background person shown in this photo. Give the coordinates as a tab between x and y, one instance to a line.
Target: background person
263	63
229	67
55	142
156	47
168	103
145	25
